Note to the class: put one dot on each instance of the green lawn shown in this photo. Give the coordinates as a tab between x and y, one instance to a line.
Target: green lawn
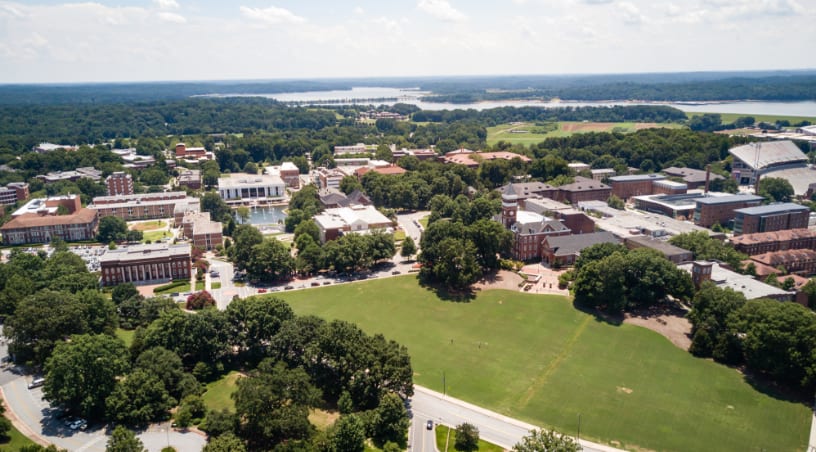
215	285
504	132
539	359
442	439
728	118
125	335
152	236
424	222
217	395
16	441
399	236
199	285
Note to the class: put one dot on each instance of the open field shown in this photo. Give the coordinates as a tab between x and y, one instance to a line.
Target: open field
217	395
153	236
125	335
728	118
539	359
148	225
505	132
442	439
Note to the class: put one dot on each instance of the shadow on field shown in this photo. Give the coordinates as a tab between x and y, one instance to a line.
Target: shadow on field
600	316
770	388
464	296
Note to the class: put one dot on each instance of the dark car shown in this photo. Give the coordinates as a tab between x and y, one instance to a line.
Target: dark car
429	425
288	287
395	272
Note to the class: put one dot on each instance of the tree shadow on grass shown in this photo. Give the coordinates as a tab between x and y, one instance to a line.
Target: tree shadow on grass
765	385
446	294
614	319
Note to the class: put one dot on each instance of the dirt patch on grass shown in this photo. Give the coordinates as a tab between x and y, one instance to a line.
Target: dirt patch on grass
670	322
148	226
502	279
624	390
323	419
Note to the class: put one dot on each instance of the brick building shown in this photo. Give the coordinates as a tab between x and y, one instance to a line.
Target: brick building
669	187
329	177
201	230
290	174
39	222
673	253
720	209
333	223
190	178
144	206
773	217
766	242
560	251
801	261
142	263
693	178
183	152
625	187
13	192
583	189
529	228
119	183
722	277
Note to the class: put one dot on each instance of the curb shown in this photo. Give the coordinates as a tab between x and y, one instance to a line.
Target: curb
20	425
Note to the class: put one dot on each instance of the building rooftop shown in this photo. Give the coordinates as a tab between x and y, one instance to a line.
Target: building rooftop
771	209
773	236
147	251
626	223
744	284
248	180
660	245
728	199
583	184
342	216
30	220
566	245
637	177
690	175
288	166
762	154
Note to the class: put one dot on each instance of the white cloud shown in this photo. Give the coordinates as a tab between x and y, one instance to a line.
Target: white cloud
359	10
631	14
441	9
272	15
167	4
10	9
597	2
390	25
172	17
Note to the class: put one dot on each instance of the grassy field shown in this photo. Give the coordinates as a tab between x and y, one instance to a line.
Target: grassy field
125	335
148	225
728	118
217	395
442	439
16	441
503	132
539	359
152	236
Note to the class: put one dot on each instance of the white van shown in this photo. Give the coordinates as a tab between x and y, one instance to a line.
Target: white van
36	383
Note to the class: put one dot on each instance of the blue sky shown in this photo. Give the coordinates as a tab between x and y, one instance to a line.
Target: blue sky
136	40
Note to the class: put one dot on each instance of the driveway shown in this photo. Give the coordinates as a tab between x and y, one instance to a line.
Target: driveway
409	222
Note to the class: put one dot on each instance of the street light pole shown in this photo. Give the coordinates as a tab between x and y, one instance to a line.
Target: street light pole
444	385
579	427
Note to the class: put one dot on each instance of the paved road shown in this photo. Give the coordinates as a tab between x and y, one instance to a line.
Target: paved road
493	427
407	222
421	439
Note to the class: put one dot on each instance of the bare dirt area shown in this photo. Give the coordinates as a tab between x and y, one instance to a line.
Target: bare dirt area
502	279
671	323
579	127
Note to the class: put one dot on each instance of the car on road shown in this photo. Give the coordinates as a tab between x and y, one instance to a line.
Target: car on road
214	274
326	283
395	272
36	383
315	283
429	424
288	287
261	290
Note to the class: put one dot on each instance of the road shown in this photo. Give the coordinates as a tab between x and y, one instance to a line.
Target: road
493	427
410	224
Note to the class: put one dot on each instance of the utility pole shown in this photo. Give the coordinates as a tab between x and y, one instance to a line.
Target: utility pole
579	428
444	386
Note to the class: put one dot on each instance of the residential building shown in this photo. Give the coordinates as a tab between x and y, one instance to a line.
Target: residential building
39	222
142	206
764	157
333	223
143	263
722	277
627	186
772	217
693	178
766	242
709	211
799	261
190	178
562	251
119	183
673	253
13	192
245	187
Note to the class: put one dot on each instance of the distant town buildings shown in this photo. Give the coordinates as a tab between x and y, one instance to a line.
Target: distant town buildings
722	277
766	242
333	223
390	170
421	154
72	176
39	221
136	161
247	187
358	148
13	192
143	263
119	183
42	148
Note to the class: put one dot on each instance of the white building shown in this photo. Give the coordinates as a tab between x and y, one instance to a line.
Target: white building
357	219
263	187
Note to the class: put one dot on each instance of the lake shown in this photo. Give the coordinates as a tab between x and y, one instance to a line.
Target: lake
364	95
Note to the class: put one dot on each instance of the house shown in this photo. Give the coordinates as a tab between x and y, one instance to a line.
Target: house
772	217
143	263
39	221
333	223
562	251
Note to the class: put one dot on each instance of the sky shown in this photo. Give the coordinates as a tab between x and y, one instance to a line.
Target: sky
46	41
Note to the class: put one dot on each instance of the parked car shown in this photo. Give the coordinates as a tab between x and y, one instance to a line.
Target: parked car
315	283
395	272
79	424
261	290
429	425
326	283
288	287
36	383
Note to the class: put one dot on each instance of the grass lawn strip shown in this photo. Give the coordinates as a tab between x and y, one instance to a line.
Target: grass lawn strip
126	336
441	432
632	387
16	441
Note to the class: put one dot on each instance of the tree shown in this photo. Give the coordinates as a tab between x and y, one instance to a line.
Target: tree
82	373
212	202
309	228
220	423
348	434
491	240
272	405
775	189
5	425
124	291
200	300
245	237
270	261
166	365
547	441
124	440
112	229
408	248
704	247
138	399
251	168
254	322
615	202
390	421
225	443
350	183
710	335
243	213
810	290
467	437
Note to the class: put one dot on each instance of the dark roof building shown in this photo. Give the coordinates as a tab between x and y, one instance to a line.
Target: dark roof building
772	217
673	253
563	250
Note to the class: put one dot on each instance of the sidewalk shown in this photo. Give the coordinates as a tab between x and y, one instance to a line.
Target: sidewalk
812	441
509	420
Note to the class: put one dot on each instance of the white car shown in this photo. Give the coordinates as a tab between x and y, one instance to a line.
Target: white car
78	424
